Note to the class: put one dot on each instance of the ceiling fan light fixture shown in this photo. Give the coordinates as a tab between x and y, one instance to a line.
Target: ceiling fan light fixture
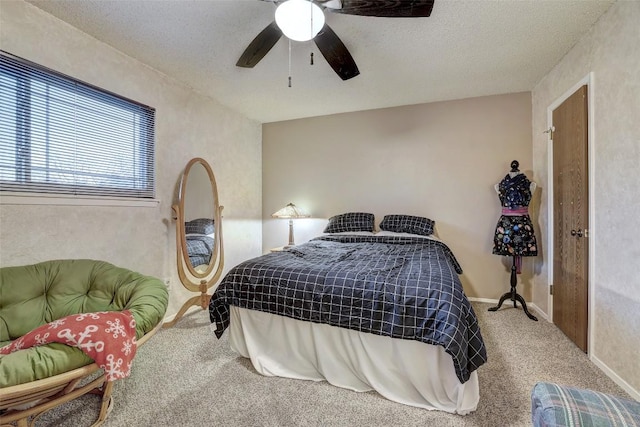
299	20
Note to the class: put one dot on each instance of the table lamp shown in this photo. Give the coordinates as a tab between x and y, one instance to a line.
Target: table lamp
291	212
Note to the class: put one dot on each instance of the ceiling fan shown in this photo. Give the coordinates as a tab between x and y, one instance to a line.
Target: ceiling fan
329	44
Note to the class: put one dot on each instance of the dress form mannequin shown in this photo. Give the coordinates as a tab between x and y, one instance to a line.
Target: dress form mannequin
514	234
513	172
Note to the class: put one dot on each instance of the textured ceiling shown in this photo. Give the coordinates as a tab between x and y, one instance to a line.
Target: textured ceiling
465	49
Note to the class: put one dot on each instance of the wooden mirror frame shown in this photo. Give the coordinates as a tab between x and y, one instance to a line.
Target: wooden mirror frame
190	278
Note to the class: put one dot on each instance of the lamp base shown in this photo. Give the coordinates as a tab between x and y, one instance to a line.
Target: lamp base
291	242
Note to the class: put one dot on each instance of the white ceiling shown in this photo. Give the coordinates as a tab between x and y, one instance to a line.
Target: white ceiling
466	48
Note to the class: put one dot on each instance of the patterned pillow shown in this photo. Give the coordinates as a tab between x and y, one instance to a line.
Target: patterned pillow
199	226
407	224
350	221
560	405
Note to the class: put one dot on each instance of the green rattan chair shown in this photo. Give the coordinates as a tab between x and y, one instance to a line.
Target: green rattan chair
36	379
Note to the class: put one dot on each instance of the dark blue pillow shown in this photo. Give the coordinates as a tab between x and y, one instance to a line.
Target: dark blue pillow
350	221
407	224
199	226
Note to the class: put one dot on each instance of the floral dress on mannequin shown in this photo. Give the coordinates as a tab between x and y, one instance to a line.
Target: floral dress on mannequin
514	235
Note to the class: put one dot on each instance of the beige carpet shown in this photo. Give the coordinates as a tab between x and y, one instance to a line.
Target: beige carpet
184	376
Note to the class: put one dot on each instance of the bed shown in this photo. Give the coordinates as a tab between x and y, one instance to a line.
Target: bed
199	248
200	239
365	311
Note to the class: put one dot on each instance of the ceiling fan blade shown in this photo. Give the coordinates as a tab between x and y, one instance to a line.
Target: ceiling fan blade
260	46
336	53
386	8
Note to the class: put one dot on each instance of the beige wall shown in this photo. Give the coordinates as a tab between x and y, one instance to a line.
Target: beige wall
611	50
438	160
187	125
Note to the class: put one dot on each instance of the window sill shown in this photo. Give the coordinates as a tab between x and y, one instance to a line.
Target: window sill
12	198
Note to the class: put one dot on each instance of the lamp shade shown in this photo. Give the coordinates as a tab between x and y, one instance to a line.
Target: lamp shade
290	211
299	20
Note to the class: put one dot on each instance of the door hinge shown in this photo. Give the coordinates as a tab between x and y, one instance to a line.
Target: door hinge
551	290
550	131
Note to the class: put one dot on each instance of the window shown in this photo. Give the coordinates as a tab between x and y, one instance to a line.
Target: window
60	135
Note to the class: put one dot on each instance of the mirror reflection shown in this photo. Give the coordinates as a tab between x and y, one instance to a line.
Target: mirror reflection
200	236
199	210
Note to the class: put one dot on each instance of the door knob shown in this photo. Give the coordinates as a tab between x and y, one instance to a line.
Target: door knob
578	233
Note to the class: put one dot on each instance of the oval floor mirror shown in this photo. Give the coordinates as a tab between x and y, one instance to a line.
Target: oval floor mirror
198	216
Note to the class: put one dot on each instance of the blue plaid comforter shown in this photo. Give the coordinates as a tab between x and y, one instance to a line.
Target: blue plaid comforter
401	287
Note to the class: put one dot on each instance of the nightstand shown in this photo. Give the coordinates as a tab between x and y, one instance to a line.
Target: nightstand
279	249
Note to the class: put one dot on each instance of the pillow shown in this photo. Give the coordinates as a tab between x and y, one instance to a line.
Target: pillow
199	226
559	405
407	224
350	221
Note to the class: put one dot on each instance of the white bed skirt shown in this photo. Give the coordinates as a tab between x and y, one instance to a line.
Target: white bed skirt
404	371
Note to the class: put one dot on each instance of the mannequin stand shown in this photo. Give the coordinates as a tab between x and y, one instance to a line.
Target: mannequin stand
513	295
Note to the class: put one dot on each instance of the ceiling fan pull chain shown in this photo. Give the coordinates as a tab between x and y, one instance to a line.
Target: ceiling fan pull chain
289	62
311	29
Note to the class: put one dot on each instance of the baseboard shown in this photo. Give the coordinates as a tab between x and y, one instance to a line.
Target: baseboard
170	317
539	312
615	377
487	300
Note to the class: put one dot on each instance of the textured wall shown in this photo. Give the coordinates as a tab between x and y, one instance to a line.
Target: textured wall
187	125
438	160
611	50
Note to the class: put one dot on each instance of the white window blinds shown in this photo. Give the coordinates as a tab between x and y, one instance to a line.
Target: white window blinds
60	135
